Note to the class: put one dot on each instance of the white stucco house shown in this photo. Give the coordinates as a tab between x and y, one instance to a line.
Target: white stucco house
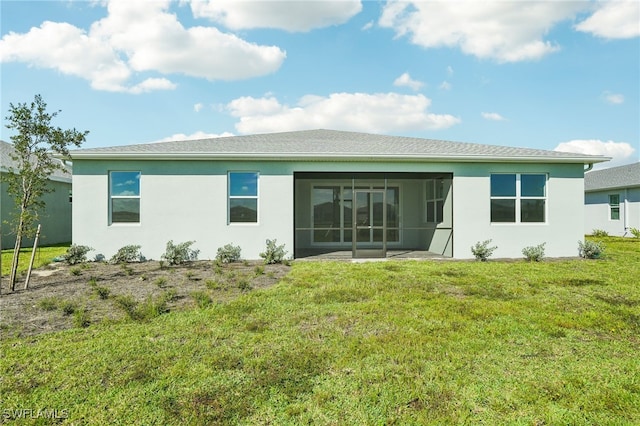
612	200
322	190
55	218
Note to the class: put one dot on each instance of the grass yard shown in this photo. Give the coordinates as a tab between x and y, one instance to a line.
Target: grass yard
396	342
44	256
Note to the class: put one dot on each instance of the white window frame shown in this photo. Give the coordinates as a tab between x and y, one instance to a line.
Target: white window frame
613	206
246	197
518	198
121	197
434	183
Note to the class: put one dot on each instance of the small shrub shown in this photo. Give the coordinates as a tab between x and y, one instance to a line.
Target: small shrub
68	307
590	249
160	282
48	304
635	232
599	233
76	254
202	299
228	254
214	285
127	254
482	251
93	281
75	271
81	318
258	270
244	284
102	292
179	254
191	276
273	253
534	253
127	303
170	295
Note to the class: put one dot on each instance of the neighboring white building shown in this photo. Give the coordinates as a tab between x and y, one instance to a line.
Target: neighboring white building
56	217
612	200
316	190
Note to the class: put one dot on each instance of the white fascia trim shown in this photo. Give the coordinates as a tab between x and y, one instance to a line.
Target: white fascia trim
167	156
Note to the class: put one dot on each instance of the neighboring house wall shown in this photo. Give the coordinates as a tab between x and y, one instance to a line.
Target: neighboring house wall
55	219
598	211
188	200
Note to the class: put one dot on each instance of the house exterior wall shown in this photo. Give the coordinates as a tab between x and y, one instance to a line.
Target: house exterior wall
187	200
564	217
55	219
597	211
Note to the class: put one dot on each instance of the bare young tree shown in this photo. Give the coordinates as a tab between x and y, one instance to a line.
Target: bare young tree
34	141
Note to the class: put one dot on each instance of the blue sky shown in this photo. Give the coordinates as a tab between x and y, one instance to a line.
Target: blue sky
547	74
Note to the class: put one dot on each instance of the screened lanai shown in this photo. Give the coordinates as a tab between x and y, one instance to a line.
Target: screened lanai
372	214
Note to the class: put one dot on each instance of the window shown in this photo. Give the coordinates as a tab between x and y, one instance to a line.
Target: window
124	194
614	207
518	198
435	201
243	197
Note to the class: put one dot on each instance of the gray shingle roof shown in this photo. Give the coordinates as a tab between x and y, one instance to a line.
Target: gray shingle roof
328	144
6	162
614	177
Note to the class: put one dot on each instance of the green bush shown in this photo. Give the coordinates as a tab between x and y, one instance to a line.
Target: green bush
590	249
127	254
179	254
635	232
534	253
228	254
599	233
68	307
76	254
102	292
482	251
273	253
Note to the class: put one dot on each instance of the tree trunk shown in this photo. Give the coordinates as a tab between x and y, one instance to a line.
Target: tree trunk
16	257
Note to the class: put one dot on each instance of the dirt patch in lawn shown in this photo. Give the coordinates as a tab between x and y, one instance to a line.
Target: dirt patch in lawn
62	296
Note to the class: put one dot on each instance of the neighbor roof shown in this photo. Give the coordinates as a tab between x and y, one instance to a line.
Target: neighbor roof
6	162
318	145
614	177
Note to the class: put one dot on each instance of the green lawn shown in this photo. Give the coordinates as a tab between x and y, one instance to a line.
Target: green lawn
396	342
44	256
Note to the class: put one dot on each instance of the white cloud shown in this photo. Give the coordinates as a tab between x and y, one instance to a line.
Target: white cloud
492	116
135	37
445	85
450	70
406	81
198	107
291	16
613	98
620	152
507	31
377	113
613	20
194	136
